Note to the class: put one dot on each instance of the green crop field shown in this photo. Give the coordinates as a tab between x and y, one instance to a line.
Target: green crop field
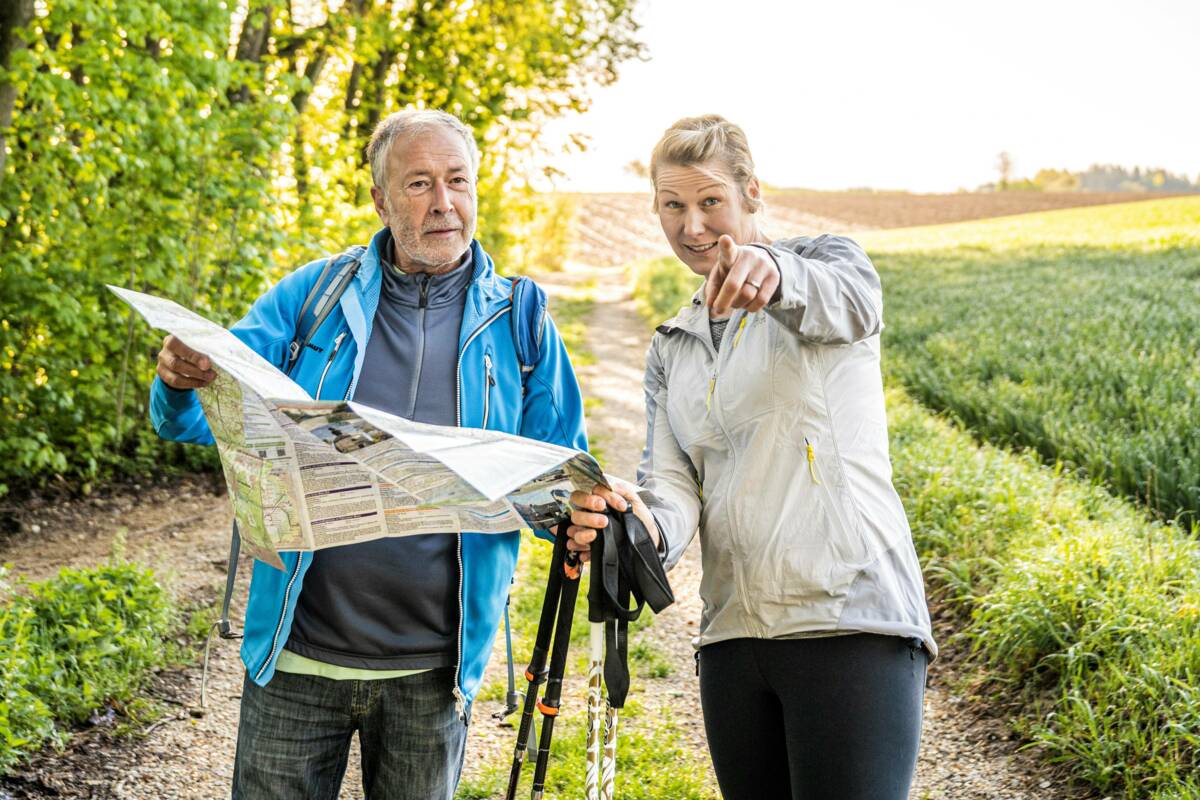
1071	332
1072	336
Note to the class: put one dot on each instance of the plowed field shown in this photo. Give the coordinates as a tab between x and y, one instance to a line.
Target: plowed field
611	228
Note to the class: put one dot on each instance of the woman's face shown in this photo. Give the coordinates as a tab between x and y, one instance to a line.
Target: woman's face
698	204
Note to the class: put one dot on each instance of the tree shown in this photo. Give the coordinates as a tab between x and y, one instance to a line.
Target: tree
198	149
14	16
1056	180
1004	166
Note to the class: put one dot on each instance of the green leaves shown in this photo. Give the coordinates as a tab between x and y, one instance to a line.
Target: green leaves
73	643
120	173
149	150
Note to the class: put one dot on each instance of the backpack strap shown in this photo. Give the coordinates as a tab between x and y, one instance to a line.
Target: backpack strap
528	318
332	283
528	323
335	278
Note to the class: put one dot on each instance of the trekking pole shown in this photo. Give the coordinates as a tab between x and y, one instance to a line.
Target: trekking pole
604	570
558	663
608	763
595	668
535	673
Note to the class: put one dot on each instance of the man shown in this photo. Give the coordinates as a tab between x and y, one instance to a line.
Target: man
390	637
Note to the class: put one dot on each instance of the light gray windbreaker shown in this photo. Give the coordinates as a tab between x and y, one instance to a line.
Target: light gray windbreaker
776	447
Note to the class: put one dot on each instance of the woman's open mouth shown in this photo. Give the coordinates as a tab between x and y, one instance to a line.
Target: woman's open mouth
701	248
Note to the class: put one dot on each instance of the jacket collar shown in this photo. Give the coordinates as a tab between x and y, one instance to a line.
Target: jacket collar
486	294
692	318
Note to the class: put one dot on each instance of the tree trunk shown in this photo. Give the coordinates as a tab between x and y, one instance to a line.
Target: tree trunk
252	42
312	72
14	14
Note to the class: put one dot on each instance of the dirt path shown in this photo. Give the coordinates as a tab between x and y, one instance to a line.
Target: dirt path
183	532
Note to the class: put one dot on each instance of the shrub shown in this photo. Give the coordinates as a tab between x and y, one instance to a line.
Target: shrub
73	643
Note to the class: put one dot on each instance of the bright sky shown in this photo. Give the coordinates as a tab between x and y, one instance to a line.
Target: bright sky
916	94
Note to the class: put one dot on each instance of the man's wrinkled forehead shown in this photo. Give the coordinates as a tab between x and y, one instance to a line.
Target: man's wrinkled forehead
427	151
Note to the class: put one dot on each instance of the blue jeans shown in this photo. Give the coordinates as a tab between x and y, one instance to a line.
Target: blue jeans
294	737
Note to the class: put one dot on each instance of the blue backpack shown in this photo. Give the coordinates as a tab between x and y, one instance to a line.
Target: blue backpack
528	320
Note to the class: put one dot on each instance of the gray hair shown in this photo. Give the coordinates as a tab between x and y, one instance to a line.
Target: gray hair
406	123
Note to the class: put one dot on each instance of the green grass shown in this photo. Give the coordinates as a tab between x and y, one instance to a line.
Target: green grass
1075	333
1069	599
73	644
570	315
652	761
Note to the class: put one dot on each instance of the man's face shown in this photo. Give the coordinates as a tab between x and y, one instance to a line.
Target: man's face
429	200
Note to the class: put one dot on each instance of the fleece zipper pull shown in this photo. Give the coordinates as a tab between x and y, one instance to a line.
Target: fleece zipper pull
460	703
424	301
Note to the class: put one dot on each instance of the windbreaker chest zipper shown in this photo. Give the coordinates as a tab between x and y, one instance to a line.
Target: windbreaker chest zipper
736	336
337	344
831	500
488	382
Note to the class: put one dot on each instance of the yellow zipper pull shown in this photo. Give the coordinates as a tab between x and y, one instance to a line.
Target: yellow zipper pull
741	326
812	460
712	384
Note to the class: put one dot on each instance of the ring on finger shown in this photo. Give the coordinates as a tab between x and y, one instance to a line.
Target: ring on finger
755	285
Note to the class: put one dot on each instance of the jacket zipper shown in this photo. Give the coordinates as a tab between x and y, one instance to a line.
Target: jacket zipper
460	699
712	387
488	383
712	379
422	304
337	343
279	628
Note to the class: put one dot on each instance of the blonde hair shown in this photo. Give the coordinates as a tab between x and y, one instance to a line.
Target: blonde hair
697	140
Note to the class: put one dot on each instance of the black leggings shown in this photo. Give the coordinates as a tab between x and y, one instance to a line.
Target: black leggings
809	719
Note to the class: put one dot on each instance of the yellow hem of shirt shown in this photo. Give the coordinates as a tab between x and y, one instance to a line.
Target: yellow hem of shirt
299	665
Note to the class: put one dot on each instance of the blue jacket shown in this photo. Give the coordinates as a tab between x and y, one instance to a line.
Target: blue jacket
550	409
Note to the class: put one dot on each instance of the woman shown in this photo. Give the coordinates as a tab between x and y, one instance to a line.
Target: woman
766	429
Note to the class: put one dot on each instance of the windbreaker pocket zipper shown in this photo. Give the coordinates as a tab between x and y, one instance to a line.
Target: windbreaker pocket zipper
488	382
837	512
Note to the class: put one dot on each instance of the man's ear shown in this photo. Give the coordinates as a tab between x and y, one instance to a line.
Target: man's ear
381	206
